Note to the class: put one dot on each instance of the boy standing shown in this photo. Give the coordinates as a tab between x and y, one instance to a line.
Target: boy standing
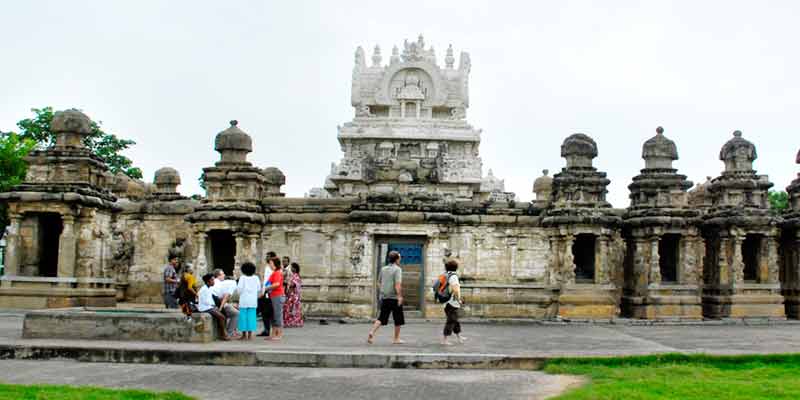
391	279
170	276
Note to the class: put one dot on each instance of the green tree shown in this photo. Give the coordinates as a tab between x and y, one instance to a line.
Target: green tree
13	150
778	201
105	145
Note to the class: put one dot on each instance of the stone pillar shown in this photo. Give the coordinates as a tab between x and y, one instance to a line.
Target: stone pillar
419	106
770	251
737	265
722	264
603	269
655	267
66	248
240	251
640	275
402	109
12	245
201	263
568	268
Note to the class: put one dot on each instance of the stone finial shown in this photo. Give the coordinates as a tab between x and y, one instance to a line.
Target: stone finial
395	59
659	152
166	180
579	150
70	126
543	186
449	59
376	56
233	144
274	176
360	61
738	153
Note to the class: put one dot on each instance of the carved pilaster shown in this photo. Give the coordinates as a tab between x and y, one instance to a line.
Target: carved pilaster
640	264
66	248
12	245
770	246
241	251
655	267
603	266
201	262
737	265
568	268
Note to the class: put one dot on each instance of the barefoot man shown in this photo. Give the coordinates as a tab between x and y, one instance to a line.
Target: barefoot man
391	279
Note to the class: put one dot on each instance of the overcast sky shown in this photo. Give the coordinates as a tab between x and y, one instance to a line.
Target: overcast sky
171	74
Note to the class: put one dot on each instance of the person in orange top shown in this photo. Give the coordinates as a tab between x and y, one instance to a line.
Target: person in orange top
277	296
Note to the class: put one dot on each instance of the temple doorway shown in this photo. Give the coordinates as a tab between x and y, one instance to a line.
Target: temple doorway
412	263
751	247
668	256
223	250
583	249
50	227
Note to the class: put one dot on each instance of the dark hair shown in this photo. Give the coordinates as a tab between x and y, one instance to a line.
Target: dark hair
276	262
451	265
271	254
295	268
248	268
207	277
393	257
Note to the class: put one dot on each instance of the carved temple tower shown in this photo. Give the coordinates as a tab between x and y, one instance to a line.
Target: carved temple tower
228	224
60	225
741	264
585	243
664	247
790	243
409	135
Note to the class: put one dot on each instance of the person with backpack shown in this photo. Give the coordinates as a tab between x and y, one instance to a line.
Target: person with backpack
447	290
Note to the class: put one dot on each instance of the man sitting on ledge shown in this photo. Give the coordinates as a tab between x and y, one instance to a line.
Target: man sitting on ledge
223	291
206	304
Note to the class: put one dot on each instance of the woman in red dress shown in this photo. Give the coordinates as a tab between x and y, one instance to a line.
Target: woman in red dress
293	308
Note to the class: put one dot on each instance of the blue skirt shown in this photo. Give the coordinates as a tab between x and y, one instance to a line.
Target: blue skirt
247	319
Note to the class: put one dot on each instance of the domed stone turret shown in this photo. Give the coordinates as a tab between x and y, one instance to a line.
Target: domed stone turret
70	126
738	154
579	150
167	180
274	176
659	152
233	144
543	186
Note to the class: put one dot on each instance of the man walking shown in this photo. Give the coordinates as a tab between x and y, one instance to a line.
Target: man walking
390	279
171	281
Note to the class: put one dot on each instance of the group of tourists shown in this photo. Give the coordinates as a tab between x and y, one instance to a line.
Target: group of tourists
276	297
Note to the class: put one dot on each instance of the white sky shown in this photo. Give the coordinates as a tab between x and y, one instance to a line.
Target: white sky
171	74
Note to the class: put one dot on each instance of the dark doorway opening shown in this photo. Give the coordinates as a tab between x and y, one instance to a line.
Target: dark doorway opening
583	249
223	250
668	256
50	227
751	249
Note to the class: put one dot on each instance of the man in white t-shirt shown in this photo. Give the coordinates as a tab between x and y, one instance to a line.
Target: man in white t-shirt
205	304
453	306
223	289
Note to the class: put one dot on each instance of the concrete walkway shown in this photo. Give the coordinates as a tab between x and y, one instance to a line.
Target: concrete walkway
514	346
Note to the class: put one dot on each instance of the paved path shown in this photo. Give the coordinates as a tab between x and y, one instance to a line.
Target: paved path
528	340
209	382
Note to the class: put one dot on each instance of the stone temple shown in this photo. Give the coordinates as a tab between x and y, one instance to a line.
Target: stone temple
411	179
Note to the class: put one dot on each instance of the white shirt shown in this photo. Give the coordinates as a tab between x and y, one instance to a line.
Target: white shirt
248	287
221	288
454	302
206	299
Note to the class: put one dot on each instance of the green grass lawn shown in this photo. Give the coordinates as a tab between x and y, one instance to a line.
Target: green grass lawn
51	392
675	376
